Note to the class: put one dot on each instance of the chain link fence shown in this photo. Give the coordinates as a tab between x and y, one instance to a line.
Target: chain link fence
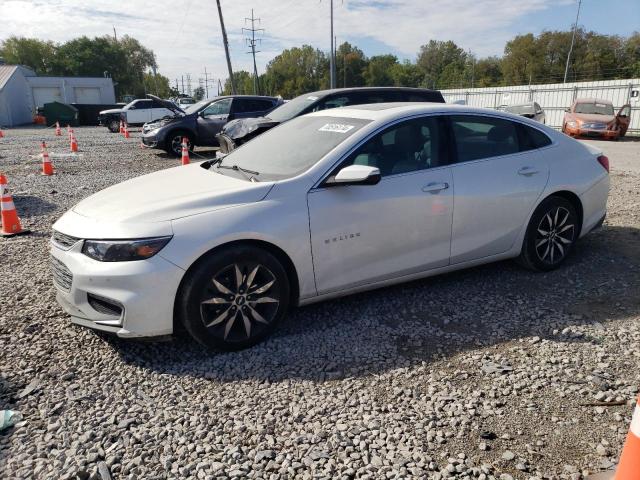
554	98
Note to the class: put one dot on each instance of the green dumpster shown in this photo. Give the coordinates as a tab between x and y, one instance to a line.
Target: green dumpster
60	112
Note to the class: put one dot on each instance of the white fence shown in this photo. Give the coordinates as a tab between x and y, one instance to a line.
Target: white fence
555	97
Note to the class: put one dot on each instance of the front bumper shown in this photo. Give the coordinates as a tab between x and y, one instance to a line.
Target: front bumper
592	133
144	289
150	141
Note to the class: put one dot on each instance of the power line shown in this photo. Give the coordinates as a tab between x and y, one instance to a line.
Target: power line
251	43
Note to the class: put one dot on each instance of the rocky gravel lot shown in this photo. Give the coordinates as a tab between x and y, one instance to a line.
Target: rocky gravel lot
493	372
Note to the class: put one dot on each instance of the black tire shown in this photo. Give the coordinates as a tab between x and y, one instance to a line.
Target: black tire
114	125
552	232
223	314
173	144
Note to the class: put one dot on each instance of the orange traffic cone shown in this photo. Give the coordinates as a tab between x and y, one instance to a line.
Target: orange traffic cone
121	127
1	134
47	166
10	221
126	131
629	466
185	152
74	142
58	131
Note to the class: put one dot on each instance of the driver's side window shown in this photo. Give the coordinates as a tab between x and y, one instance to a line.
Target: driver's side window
407	147
221	107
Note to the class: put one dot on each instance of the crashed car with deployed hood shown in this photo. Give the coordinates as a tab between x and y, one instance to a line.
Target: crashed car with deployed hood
237	132
202	121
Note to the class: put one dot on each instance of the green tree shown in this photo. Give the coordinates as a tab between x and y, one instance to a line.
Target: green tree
243	81
158	85
296	71
442	63
406	74
378	72
350	65
487	72
41	56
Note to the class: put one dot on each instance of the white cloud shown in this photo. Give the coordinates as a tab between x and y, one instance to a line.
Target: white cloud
186	35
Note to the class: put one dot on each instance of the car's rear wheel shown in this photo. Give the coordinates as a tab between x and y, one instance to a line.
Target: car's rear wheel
114	126
234	298
174	143
551	234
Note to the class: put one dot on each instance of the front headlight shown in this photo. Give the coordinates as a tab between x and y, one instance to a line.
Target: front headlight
123	250
572	123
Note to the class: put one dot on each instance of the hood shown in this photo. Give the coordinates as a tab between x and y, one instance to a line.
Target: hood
588	117
112	110
170	194
244	126
166	103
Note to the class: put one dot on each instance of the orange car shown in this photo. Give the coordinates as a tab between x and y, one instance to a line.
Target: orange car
591	117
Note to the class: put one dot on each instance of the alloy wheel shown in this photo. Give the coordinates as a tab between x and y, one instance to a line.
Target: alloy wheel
555	234
240	302
176	144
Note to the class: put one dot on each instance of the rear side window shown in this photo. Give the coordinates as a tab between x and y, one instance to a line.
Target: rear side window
246	105
531	138
478	137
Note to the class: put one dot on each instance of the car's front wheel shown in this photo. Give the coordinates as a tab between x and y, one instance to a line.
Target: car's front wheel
114	126
551	234
174	143
234	298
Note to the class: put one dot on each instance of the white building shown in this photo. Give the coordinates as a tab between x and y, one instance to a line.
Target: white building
21	91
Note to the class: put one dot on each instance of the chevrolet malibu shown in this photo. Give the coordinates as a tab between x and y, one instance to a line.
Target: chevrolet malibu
325	205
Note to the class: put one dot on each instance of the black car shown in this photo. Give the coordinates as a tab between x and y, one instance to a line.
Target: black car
237	132
201	121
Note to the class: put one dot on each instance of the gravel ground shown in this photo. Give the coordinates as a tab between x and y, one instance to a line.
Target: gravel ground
493	372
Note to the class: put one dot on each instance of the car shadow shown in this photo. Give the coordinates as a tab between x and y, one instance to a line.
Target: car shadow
31	206
425	320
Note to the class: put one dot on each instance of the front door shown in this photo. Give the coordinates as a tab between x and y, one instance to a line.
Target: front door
497	182
366	233
624	119
212	119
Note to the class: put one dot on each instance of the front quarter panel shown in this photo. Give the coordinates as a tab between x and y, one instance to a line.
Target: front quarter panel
280	222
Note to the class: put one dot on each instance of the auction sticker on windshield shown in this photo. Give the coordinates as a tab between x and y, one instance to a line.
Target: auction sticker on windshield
336	127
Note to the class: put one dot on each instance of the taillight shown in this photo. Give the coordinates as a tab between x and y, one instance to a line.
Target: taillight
604	161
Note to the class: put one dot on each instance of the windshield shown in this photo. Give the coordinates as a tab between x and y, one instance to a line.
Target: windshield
521	109
292	108
293	147
193	108
594	108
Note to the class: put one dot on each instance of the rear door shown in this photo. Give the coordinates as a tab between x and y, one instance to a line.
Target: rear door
624	119
498	178
251	107
212	119
139	112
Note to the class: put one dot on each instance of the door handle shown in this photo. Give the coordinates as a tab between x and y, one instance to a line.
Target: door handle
435	187
527	171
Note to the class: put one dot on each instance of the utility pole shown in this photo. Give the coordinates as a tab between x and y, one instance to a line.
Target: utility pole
115	36
226	49
220	89
183	84
332	63
573	39
251	43
206	82
189	84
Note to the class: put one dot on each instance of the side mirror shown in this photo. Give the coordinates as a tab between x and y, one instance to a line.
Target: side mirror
201	113
567	110
230	116
356	175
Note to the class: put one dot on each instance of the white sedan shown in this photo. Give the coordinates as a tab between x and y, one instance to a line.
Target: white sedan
328	204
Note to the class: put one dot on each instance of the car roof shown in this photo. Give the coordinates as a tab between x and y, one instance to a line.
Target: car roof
593	100
390	111
245	96
323	93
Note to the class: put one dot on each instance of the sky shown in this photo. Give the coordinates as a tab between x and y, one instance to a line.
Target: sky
186	35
